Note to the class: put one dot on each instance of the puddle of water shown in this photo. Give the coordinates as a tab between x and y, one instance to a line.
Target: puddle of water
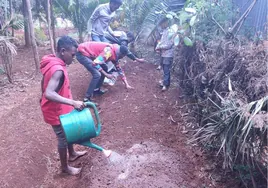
116	158
123	175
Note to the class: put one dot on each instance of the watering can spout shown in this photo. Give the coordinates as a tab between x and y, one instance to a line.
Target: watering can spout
90	144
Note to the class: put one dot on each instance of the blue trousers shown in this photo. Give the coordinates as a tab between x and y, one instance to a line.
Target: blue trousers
166	63
98	38
97	77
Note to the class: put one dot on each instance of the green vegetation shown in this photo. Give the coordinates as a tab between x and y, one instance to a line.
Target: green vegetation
219	62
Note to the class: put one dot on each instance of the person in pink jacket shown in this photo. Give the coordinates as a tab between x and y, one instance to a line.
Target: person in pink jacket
95	56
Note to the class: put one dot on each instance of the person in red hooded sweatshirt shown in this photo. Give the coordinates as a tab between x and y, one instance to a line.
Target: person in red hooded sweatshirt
95	56
57	98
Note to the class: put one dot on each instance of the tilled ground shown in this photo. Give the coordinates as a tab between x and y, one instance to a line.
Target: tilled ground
151	150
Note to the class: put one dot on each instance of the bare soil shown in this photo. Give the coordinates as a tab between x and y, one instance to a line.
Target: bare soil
152	150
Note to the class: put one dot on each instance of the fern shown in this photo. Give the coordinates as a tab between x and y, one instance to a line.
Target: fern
157	12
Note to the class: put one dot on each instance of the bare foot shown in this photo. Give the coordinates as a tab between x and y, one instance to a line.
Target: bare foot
72	170
76	155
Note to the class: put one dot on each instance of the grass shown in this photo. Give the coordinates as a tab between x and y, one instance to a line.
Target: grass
238	129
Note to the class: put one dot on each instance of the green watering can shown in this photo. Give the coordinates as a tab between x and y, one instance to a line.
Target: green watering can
79	127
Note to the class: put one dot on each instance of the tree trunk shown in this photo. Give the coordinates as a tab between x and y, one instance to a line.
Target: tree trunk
26	25
81	38
38	10
80	27
53	24
5	9
49	26
31	27
11	15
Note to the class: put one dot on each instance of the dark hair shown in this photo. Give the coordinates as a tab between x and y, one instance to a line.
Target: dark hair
123	50
66	42
130	36
118	2
163	20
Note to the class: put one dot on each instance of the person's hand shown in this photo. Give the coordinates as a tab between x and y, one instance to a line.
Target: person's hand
113	34
141	60
157	50
129	87
78	105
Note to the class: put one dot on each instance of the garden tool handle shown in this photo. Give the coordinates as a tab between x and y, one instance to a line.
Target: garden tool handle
92	105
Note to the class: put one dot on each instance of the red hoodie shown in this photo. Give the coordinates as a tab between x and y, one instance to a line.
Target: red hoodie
52	110
94	49
98	52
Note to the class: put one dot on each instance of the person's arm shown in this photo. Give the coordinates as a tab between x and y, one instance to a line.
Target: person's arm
131	56
95	15
122	75
101	59
134	58
51	94
157	48
89	27
169	44
110	31
165	43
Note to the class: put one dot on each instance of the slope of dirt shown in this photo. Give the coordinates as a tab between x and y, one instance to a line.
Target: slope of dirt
151	150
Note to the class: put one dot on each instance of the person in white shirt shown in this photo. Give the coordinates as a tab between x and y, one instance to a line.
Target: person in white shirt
166	48
100	20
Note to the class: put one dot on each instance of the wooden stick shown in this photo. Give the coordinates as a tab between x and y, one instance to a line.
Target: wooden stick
49	26
243	17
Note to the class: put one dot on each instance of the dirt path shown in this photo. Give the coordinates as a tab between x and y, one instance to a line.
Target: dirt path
153	151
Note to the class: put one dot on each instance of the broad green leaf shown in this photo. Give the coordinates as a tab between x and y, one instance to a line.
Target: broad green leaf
173	14
169	16
182	31
230	85
1	71
71	3
183	17
170	35
177	40
192	21
191	10
174	28
187	41
158	12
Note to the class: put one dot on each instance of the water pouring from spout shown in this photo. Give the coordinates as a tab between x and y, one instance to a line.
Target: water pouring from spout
107	153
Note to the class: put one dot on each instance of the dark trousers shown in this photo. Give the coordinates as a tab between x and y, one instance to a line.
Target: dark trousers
166	63
99	38
97	77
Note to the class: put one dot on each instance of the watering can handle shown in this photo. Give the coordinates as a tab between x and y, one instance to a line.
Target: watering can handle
92	105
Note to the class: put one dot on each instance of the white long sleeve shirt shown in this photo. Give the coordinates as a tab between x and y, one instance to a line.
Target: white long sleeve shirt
100	19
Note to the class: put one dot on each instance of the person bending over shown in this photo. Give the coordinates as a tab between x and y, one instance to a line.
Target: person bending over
94	56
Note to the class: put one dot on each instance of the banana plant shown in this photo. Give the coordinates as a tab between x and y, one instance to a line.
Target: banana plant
188	17
16	23
147	14
197	20
78	12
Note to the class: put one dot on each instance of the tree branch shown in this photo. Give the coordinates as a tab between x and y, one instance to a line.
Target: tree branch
49	26
218	24
243	17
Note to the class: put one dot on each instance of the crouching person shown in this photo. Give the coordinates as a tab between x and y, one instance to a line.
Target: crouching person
94	56
57	98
